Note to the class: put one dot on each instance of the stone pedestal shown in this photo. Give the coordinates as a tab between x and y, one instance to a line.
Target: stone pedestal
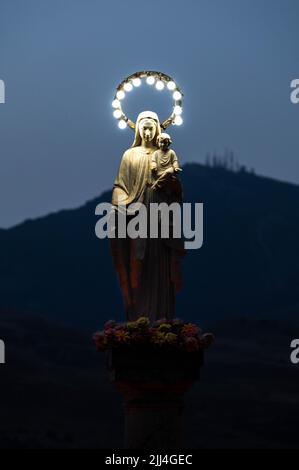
153	384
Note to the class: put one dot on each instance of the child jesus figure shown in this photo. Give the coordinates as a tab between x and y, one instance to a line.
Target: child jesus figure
164	161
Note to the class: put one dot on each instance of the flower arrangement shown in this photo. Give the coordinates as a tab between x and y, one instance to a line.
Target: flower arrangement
162	334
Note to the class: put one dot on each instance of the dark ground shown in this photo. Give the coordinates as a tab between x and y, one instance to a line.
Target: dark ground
55	393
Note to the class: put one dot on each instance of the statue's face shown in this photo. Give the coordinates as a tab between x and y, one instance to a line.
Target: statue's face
147	129
164	142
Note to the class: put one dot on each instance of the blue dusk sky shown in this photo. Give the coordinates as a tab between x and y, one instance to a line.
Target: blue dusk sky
61	61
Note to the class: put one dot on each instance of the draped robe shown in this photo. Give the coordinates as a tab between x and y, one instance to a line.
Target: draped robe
148	269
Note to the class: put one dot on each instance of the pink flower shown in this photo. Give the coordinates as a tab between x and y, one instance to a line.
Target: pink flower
120	327
100	341
191	344
109	332
109	324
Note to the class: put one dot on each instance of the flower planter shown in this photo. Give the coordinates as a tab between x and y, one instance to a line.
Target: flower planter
153	366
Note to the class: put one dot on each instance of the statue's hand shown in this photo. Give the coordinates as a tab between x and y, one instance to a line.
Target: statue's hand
156	185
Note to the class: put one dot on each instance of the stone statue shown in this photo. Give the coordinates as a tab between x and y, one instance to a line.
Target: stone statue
164	161
148	268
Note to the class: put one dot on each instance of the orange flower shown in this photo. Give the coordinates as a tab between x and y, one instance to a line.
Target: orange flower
190	330
122	336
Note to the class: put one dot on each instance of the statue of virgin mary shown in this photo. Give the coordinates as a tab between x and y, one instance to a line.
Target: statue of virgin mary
149	268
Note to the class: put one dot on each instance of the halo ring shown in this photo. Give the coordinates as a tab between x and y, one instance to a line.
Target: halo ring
135	80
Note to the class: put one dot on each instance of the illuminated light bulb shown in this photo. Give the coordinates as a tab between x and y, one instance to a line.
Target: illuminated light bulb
117	114
177	110
115	104
120	94
122	124
178	121
150	80
171	86
137	82
177	95
160	85
128	86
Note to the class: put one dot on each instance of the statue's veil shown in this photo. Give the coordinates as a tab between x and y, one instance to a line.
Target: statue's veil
143	115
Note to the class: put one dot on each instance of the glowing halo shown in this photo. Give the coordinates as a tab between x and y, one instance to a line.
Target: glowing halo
161	82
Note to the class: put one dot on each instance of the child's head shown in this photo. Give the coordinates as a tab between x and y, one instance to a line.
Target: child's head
164	141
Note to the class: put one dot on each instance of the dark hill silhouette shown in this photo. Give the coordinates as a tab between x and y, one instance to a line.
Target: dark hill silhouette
248	266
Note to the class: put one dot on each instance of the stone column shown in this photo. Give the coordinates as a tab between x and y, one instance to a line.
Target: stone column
153	384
